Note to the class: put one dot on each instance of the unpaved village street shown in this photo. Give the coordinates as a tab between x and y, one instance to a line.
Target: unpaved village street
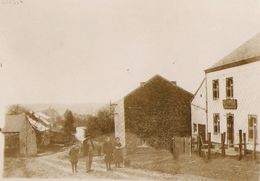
57	165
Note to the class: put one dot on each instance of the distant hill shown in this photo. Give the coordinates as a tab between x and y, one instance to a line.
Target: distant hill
88	108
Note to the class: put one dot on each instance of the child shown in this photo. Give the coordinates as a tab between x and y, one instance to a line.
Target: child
74	156
108	151
118	155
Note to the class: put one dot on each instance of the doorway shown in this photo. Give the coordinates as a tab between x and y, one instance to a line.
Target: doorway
230	129
202	131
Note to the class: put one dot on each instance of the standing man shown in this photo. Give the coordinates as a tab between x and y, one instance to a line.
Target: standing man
88	148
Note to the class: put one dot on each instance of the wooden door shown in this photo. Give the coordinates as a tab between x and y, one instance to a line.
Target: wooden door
230	129
202	131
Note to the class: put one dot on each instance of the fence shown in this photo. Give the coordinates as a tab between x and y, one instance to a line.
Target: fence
207	147
182	146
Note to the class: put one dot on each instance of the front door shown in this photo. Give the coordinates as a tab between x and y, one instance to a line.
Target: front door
230	129
202	131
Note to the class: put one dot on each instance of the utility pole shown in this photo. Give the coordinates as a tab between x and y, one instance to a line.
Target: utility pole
111	108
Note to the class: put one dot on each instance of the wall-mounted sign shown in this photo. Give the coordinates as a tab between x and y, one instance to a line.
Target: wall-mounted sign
230	104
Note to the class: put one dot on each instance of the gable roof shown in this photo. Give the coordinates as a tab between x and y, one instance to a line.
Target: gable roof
157	77
14	123
42	117
247	53
40	114
201	84
37	124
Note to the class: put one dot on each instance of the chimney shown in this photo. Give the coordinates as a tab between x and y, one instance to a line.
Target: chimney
142	84
174	82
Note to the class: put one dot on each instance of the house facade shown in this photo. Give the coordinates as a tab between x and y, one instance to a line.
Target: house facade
20	136
153	113
198	110
233	95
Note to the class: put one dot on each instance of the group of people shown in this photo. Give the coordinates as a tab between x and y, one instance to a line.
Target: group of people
112	153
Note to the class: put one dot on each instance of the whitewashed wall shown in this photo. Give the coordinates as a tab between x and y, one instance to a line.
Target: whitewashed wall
80	134
246	80
120	121
198	107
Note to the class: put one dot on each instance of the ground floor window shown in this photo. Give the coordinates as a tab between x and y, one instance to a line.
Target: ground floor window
216	123
195	128
252	127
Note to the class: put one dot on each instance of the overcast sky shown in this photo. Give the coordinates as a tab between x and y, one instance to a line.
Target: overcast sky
77	51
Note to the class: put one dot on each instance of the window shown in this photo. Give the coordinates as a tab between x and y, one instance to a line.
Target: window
215	88
229	87
216	124
195	128
252	128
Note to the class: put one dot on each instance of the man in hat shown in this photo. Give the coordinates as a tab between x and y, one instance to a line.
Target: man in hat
88	149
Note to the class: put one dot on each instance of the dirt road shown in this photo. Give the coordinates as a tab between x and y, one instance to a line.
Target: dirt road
58	166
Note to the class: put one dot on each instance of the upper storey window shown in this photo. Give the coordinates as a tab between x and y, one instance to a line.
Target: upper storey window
229	87
215	89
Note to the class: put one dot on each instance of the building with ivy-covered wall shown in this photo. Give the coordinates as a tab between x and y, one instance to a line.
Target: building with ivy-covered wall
153	113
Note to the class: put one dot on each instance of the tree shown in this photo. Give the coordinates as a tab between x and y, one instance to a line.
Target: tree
69	127
101	124
16	109
105	120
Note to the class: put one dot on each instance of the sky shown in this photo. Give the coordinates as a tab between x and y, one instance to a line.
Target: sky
80	51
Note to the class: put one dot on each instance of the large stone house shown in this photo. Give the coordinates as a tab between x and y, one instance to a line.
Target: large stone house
229	98
154	112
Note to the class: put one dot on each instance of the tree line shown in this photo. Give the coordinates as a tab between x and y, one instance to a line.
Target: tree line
96	125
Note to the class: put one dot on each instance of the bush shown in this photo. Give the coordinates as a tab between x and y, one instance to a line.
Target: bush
101	124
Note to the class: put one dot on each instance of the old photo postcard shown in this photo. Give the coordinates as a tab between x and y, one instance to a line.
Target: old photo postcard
130	90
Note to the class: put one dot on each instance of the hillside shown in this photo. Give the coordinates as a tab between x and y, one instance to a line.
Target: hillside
88	108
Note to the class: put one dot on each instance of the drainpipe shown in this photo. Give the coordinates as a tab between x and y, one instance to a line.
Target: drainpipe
207	117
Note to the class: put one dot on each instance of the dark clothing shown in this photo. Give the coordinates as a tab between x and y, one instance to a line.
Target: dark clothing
89	160
88	149
118	155
108	157
88	146
108	151
74	156
108	147
172	148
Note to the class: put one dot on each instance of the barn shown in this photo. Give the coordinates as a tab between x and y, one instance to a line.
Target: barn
153	113
20	136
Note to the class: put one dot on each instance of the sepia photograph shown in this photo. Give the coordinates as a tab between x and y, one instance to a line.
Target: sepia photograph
130	90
